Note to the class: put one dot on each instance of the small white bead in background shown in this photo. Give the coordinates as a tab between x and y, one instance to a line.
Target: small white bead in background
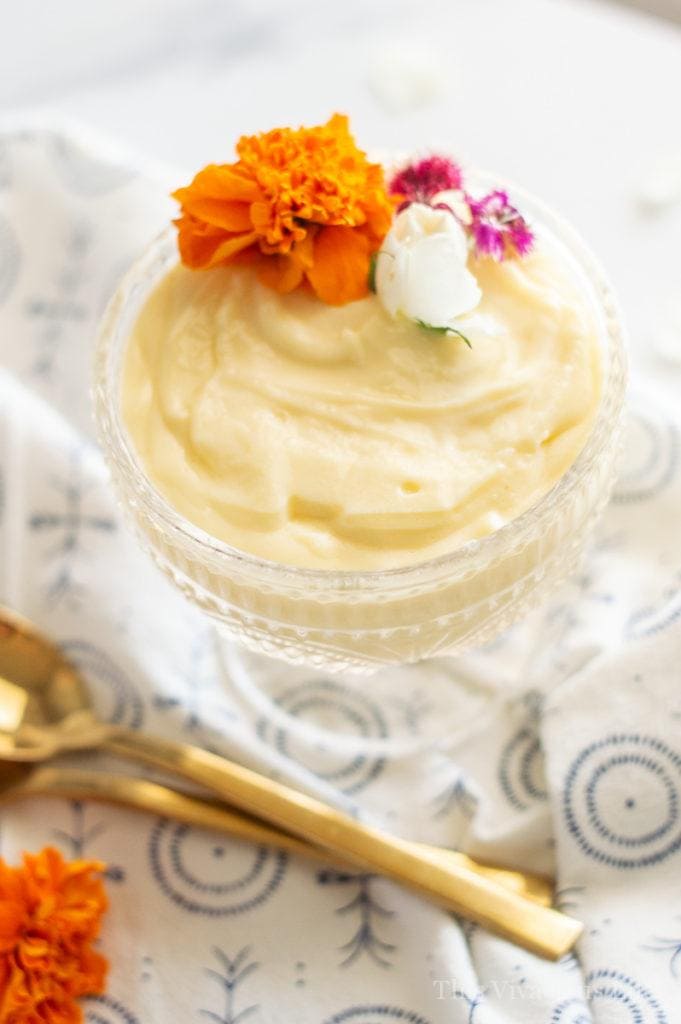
661	185
404	76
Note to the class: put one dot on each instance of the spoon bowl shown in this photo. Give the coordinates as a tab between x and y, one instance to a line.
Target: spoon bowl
44	703
38	686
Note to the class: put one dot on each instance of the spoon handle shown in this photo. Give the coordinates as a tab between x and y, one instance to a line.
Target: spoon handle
142	794
451	883
145	795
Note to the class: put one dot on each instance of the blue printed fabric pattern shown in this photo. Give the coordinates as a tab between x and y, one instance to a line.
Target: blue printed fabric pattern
578	771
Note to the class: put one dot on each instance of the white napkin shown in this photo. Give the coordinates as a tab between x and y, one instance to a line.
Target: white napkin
582	763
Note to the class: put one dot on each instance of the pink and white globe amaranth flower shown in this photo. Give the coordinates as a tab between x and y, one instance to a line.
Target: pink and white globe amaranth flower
418	182
497	228
421	268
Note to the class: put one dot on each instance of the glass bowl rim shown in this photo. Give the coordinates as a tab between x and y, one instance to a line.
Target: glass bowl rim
504	540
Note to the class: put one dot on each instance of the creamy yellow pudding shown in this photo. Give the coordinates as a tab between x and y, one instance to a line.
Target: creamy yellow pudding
340	438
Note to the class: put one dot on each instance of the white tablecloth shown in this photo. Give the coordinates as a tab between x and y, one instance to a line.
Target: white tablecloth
580	767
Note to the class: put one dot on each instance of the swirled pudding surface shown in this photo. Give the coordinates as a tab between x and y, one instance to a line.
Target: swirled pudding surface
338	438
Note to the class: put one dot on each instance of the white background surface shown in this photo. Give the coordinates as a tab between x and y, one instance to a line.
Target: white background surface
577	100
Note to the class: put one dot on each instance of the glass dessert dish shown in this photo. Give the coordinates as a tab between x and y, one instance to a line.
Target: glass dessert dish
355	622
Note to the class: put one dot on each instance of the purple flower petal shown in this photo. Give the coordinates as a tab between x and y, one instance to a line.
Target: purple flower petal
489	240
498	228
521	237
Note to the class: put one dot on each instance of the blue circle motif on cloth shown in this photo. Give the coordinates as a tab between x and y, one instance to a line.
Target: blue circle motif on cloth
108	682
651	457
658	616
571	1011
521	769
210	876
105	1010
376	1014
10	259
621	801
637	1003
328	705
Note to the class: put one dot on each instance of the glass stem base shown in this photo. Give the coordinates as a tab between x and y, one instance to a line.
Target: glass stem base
397	711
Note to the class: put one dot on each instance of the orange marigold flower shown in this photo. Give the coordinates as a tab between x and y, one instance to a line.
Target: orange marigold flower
305	205
50	913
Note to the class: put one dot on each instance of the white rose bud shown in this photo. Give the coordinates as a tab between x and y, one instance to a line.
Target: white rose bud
421	268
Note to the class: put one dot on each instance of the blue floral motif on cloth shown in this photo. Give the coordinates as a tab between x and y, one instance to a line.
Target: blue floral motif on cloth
231	975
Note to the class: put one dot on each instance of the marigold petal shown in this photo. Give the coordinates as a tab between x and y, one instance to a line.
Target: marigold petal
303	251
221	181
260	214
247	257
53	914
230	246
287	186
380	218
60	1013
11	917
339	123
203	246
281	273
340	272
221	213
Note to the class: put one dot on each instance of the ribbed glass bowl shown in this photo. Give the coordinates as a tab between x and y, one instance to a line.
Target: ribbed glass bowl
359	621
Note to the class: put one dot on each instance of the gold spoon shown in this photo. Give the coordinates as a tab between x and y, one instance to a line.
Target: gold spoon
21	779
44	709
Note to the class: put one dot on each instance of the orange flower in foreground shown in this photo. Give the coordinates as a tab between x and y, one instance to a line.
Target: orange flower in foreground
50	913
305	205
